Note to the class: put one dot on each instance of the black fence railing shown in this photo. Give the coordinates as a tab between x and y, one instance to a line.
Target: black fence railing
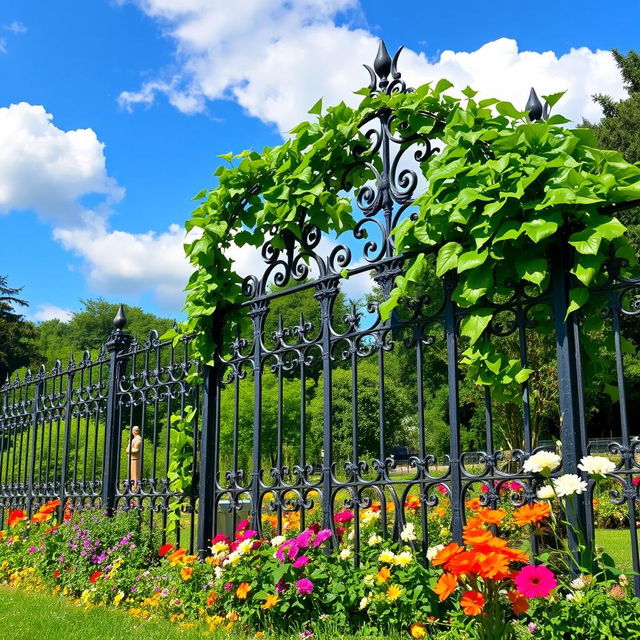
319	411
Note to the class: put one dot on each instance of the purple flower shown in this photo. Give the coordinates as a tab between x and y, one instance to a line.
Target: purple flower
307	633
301	562
228	586
164	593
304	586
323	535
31	549
532	627
134	588
61	559
281	586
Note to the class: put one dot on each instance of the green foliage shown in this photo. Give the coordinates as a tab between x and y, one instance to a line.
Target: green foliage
17	336
502	192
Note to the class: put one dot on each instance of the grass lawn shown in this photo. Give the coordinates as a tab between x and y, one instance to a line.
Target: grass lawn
617	544
40	616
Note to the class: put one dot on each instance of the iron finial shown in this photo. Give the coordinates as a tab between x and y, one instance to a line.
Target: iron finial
383	66
382	63
534	106
120	321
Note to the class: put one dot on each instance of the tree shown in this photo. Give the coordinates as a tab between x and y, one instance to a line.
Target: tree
17	336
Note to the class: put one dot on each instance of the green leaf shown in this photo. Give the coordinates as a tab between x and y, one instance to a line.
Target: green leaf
540	229
475	323
611	229
553	98
471	259
507	109
447	257
469	92
532	269
316	110
586	241
586	268
578	296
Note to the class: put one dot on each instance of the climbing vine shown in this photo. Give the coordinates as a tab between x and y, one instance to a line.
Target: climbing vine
499	193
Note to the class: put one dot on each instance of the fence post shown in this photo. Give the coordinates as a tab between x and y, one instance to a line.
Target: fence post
34	439
209	441
569	387
118	342
65	446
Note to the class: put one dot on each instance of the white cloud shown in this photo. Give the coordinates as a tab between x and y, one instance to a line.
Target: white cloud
16	27
48	170
48	311
275	58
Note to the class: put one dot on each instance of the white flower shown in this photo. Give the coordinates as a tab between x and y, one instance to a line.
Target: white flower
409	532
569	484
364	603
351	535
374	539
218	571
369	579
386	556
368	515
346	553
577	583
403	559
432	552
245	546
541	462
597	465
576	597
277	541
546	492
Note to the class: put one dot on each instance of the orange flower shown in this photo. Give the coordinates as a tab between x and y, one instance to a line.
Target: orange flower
476	536
186	573
271	601
445	586
40	517
531	513
519	603
383	575
49	507
15	516
412	502
441	511
491	516
243	590
463	563
445	554
176	557
213	596
473	504
493	565
472	602
515	555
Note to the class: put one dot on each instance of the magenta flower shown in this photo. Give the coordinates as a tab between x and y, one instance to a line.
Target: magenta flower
323	535
281	585
293	551
228	586
304	539
304	586
242	525
343	517
442	489
301	562
535	581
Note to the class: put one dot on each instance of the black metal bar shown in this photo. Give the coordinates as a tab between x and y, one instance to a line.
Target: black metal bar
451	335
65	446
118	342
568	391
31	457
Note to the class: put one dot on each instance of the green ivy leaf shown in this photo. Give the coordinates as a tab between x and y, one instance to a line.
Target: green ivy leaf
475	323
316	110
586	241
471	259
447	257
578	296
540	229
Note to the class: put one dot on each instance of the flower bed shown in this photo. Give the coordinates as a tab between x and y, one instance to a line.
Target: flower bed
489	587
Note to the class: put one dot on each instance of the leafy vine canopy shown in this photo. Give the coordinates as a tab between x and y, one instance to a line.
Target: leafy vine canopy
498	191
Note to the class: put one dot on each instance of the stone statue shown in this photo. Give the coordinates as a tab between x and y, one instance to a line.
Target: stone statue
135	462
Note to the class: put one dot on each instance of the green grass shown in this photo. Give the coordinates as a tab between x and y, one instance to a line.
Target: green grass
617	544
40	616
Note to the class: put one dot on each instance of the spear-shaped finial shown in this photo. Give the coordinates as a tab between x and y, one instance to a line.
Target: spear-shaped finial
120	321
534	106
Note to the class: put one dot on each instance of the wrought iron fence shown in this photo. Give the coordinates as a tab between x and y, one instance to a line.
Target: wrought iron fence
320	410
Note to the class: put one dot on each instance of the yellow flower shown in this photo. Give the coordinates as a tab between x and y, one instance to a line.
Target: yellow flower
118	598
243	591
417	630
383	575
271	601
394	592
186	573
387	556
403	559
232	615
259	634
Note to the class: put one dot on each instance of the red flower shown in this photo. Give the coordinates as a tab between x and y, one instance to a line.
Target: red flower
472	602
53	529
164	549
95	575
56	574
343	517
636	481
220	538
15	516
50	506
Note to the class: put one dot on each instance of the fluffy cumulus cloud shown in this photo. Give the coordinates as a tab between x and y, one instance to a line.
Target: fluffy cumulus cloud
48	170
276	57
50	312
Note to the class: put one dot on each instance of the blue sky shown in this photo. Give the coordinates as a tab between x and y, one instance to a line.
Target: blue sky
144	94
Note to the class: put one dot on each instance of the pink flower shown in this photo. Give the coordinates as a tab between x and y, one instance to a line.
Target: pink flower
304	539
323	535
484	488
242	525
304	586
301	562
281	585
220	538
343	517
293	551
636	481
442	489
249	533
535	581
